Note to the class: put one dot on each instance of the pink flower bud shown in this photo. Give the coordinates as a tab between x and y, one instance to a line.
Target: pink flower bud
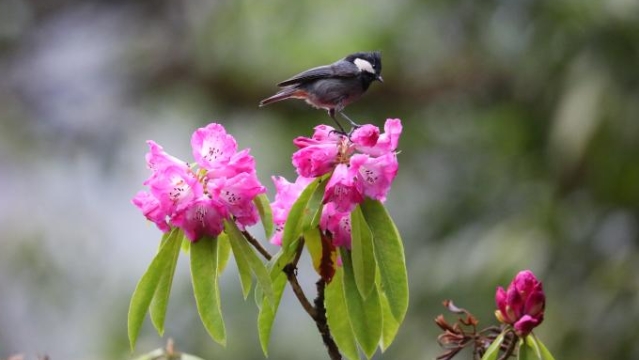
522	304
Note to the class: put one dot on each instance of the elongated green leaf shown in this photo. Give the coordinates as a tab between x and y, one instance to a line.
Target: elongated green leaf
313	242
145	290
390	326
389	253
278	262
315	206
267	313
206	288
266	215
243	267
186	245
493	350
295	222
362	253
365	314
160	299
338	319
527	350
223	252
255	263
543	350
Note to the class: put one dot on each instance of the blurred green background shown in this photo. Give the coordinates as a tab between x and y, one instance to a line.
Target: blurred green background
520	150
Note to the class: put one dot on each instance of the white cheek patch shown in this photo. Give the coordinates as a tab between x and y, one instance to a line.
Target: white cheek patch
364	65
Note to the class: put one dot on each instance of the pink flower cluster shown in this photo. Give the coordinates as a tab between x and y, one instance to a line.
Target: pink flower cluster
362	165
522	305
198	200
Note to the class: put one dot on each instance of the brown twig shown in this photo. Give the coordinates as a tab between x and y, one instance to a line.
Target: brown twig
316	312
510	348
291	273
253	241
322	322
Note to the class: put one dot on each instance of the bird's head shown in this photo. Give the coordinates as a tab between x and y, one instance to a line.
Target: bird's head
368	63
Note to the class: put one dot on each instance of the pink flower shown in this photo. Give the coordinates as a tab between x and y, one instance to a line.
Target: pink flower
344	189
338	224
376	173
315	160
365	136
202	217
386	142
363	164
212	146
522	305
286	193
157	159
236	195
174	186
150	207
199	200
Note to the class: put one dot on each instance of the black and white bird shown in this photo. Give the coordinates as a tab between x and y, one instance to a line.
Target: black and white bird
332	87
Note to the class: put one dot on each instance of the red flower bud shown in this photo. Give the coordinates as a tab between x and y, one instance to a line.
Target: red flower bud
522	304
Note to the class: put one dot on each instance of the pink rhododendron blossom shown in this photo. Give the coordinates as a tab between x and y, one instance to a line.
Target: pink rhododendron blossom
286	193
338	223
365	136
157	159
376	173
199	200
150	207
363	164
202	217
343	189
522	304
236	195
174	187
315	160
387	142
212	146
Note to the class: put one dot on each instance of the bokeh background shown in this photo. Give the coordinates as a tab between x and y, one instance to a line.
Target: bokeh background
520	150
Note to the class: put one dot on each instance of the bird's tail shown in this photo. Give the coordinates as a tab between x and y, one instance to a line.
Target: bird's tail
286	93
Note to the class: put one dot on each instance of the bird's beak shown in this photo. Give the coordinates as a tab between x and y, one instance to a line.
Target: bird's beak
380	79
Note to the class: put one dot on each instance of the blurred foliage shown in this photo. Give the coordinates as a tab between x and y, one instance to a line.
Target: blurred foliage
520	150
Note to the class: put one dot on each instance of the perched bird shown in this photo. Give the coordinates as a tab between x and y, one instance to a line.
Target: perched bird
332	87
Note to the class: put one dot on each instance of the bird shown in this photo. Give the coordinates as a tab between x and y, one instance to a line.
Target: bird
333	87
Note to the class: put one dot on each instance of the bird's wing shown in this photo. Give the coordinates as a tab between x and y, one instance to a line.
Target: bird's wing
343	69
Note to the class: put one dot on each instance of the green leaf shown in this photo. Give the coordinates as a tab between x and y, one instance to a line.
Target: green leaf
389	253
186	245
160	299
545	353
365	314
146	288
493	350
362	253
267	314
255	263
223	253
337	316
297	215
243	268
315	206
278	262
528	349
206	288
390	326
266	215
313	242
